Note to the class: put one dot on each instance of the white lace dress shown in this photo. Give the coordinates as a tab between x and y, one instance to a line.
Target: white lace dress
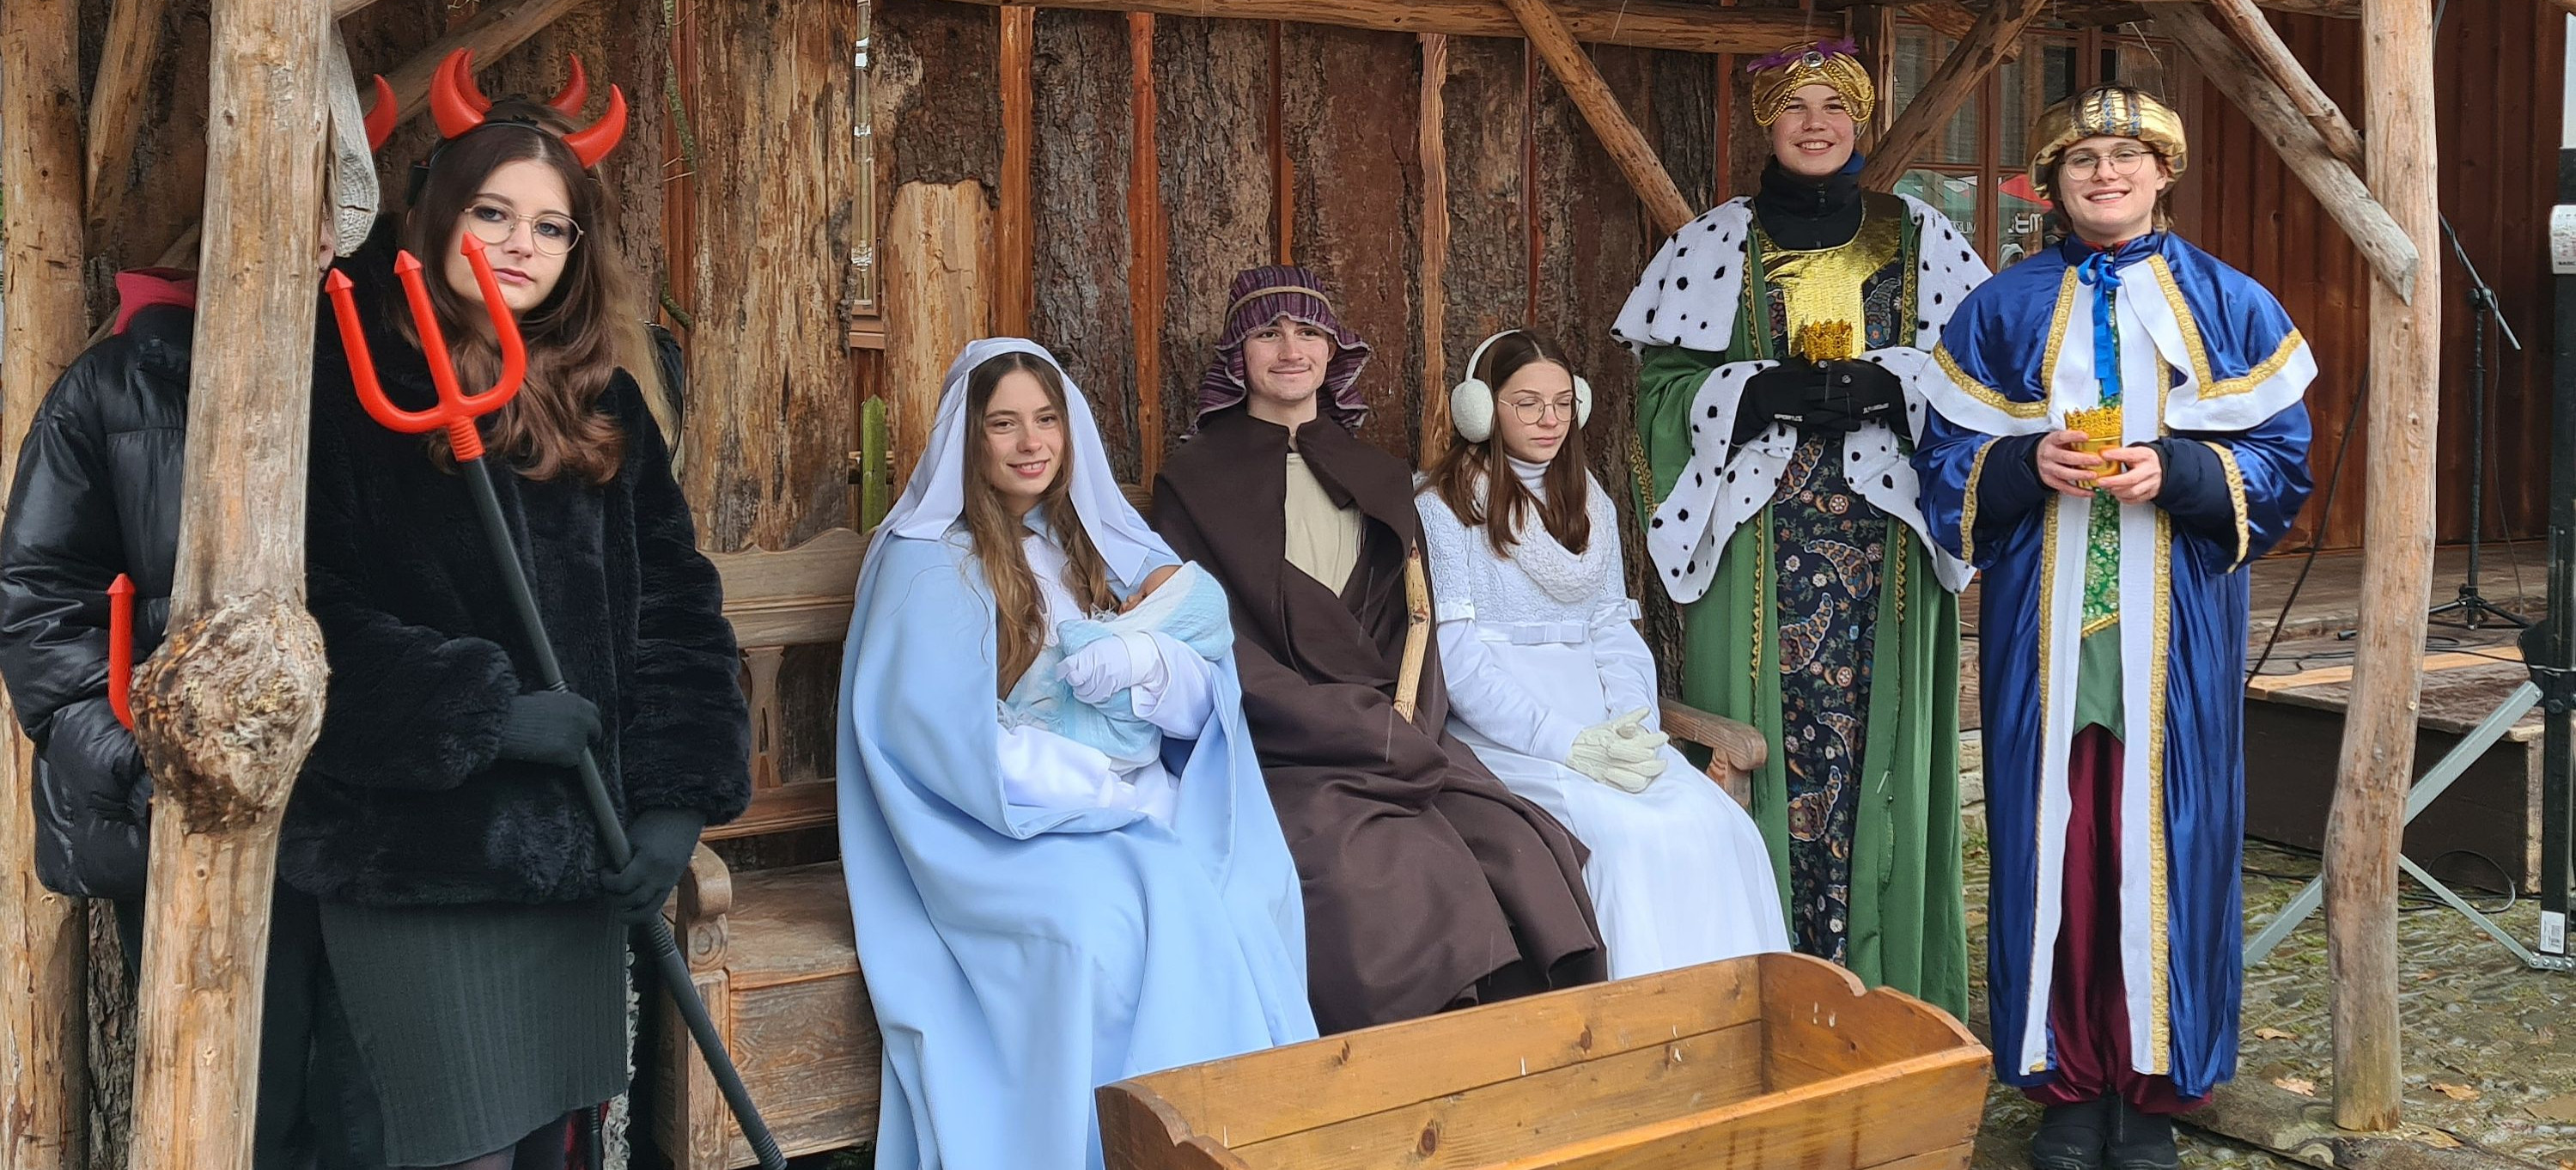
1539	646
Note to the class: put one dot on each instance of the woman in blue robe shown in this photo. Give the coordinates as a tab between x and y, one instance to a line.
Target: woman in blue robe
1035	917
2112	641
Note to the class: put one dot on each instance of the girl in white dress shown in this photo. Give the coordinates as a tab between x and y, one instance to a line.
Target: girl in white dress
1550	683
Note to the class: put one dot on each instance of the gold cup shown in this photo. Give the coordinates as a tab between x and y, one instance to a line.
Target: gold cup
2101	428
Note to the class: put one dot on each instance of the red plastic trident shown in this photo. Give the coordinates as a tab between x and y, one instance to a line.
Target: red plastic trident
120	649
456	410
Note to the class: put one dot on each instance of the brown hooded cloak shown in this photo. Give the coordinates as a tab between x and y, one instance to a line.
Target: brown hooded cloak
1428	885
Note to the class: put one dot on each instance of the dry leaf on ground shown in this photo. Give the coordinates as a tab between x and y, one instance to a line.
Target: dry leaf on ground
2300	1085
2274	1034
2560	1109
2456	1092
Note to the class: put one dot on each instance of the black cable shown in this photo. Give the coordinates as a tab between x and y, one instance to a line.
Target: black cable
2325	508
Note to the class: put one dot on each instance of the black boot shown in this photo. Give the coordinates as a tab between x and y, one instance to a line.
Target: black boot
2142	1141
2071	1137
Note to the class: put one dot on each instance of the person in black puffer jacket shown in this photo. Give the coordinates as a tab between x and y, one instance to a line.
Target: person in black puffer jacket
97	493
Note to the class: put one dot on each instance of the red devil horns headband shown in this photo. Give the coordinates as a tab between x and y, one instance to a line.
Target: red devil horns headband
459	105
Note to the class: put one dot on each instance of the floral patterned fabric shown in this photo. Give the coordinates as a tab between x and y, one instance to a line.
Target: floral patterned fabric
1829	543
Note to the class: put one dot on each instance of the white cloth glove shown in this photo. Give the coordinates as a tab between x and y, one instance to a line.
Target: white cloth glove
1111	665
1620	746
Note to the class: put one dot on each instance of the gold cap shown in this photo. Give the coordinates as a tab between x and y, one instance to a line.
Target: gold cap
2114	111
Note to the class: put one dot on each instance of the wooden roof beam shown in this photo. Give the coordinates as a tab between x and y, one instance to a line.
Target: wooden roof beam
2246	22
2337	187
1628	148
1957	80
1645	24
491	34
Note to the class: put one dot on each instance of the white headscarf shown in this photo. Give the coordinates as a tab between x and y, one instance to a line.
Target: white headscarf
936	496
351	163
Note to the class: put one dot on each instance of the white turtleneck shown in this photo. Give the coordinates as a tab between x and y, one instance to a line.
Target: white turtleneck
1532	475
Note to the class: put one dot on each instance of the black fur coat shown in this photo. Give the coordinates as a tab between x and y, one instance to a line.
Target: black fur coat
403	801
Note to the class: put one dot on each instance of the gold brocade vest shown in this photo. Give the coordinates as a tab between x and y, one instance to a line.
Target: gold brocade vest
1822	287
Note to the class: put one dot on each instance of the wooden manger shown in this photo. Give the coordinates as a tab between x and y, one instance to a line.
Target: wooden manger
1769	1061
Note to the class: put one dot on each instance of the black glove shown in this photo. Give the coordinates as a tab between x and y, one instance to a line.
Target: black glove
663	839
1783	394
1867	393
549	727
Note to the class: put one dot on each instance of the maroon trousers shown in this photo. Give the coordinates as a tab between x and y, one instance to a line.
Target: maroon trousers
2088	1007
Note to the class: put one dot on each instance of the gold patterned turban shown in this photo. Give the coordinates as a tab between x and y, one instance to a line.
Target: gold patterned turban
2115	111
1828	63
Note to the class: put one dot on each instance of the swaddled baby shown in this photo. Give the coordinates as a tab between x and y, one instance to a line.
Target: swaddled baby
1190	609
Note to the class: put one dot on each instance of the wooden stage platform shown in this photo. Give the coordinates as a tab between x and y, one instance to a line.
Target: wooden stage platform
2486	828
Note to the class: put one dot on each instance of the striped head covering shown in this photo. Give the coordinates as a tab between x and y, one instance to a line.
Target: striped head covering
1263	295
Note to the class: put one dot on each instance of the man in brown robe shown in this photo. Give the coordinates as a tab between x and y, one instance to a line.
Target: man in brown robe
1428	886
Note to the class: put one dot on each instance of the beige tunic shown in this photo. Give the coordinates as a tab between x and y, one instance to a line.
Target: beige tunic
1323	537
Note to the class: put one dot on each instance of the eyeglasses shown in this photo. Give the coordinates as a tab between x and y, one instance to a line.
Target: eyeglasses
1531	411
2124	162
494	225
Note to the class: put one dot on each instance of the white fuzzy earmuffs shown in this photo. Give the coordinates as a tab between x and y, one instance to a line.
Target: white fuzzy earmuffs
1471	402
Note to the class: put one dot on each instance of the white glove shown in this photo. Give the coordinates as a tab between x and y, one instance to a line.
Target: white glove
1621	744
1111	665
1635	777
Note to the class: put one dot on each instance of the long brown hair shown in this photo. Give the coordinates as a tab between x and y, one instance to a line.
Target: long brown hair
993	532
586	330
1466	466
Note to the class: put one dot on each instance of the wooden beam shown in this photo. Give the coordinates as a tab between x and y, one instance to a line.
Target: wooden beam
1014	225
492	33
340	9
128	64
227	708
1950	19
1646	24
2378	760
1959	78
2568	6
43	946
2387	246
938	294
1147	275
1432	124
1628	148
2253	31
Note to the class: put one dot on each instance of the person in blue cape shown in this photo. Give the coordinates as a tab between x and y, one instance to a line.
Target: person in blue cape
2119	433
1037	917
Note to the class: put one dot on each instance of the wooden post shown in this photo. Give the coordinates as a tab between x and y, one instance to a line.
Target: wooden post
1435	248
2252	30
1014	229
1628	148
2363	832
2379	237
43	951
1997	31
125	74
228	707
937	300
1146	276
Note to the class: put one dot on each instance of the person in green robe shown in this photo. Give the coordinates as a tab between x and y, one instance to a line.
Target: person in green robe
1785	336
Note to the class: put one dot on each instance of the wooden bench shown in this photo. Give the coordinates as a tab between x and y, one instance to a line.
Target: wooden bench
771	950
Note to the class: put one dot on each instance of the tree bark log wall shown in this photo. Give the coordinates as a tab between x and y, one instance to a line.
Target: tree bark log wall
1084	132
1212	88
770	360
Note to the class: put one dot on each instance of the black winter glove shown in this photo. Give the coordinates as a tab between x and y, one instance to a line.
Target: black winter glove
1783	394
549	727
1871	393
663	839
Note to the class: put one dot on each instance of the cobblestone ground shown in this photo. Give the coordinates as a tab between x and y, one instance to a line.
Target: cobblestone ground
2490	1045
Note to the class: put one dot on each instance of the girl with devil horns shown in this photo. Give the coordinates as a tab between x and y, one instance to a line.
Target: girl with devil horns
1550	683
476	989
